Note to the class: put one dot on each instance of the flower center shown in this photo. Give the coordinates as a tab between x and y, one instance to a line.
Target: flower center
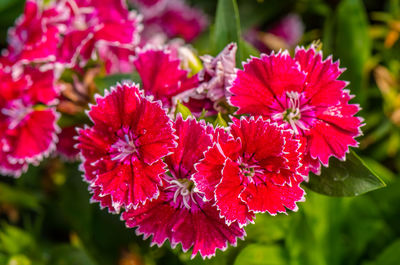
296	113
292	114
249	170
16	111
184	191
123	148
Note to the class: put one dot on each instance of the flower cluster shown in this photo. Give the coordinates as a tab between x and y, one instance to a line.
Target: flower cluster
169	177
27	119
185	181
59	41
65	32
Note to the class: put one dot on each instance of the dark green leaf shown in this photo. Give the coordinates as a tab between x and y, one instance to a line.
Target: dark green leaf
383	172
353	44
106	82
5	4
390	256
227	27
66	255
349	178
248	50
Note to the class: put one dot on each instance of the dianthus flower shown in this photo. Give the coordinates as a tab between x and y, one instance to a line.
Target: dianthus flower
180	214
27	120
304	95
214	80
62	32
101	23
290	29
253	171
122	151
162	76
35	37
172	17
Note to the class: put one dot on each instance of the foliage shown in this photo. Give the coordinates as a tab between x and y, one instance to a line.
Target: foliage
46	216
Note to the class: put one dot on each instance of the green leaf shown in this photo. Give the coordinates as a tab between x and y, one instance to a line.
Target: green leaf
19	260
259	254
18	197
349	178
248	50
386	174
5	4
182	109
65	255
219	121
14	240
390	256
353	45
268	229
227	27
108	81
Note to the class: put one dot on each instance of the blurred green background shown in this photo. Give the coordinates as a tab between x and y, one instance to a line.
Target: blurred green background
46	216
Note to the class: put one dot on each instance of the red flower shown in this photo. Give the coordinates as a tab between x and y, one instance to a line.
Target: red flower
304	95
254	170
62	32
27	125
94	25
162	76
34	39
180	214
122	151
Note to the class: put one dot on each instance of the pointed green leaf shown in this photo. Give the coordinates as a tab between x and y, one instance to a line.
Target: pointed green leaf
248	50
182	109
219	121
353	45
349	178
227	27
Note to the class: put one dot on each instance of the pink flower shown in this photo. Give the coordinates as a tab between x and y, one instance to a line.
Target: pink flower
214	80
63	32
162	76
27	123
253	171
172	17
122	152
34	39
116	59
180	214
290	29
94	25
180	20
218	73
284	34
304	95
